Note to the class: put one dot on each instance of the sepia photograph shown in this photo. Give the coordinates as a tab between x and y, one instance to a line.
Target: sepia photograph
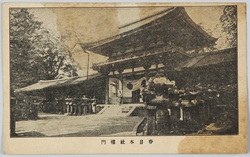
124	71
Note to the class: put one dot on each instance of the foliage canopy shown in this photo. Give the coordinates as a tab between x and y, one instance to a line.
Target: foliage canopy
35	54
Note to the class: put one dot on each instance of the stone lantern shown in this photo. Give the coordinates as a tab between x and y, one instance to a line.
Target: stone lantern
157	103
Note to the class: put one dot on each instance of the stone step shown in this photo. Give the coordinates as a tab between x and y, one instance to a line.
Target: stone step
117	110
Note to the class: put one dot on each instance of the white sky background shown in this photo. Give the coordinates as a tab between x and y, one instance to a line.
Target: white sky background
80	23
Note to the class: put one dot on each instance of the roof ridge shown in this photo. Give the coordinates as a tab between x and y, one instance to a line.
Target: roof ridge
145	18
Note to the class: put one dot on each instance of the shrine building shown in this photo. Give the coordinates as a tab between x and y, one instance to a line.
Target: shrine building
155	44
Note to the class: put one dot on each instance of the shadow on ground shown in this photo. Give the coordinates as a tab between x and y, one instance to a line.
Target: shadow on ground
30	134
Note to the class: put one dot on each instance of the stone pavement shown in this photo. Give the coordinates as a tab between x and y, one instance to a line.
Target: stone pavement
78	126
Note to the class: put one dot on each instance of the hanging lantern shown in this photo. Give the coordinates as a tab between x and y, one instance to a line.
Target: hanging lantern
130	86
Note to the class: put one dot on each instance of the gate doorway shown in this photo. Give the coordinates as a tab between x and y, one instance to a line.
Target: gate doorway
136	96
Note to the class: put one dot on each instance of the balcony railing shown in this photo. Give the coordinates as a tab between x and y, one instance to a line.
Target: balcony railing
140	53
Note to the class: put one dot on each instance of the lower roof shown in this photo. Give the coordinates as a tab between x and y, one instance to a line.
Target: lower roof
210	58
44	84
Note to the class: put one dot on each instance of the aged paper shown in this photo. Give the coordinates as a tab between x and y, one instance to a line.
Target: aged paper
124	78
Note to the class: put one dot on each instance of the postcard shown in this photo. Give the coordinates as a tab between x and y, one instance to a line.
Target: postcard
124	78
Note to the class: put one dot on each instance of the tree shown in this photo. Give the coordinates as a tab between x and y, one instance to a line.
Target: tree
35	54
229	24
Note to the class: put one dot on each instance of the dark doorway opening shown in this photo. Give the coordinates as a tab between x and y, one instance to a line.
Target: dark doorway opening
136	96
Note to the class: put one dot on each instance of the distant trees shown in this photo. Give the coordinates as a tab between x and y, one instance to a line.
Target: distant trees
35	54
229	24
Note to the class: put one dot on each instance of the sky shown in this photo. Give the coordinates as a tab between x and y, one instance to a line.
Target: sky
91	24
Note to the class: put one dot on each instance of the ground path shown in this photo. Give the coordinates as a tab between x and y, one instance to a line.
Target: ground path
70	126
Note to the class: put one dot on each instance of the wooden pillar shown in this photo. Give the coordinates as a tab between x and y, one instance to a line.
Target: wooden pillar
150	114
105	70
121	85
107	90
